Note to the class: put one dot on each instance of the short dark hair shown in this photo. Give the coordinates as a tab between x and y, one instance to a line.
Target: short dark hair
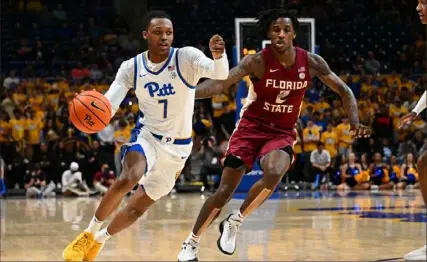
320	143
146	20
265	18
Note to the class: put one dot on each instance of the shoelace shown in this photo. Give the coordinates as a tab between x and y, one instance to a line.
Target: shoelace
232	229
80	245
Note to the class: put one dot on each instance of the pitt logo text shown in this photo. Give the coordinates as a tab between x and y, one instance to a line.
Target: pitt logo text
155	90
88	120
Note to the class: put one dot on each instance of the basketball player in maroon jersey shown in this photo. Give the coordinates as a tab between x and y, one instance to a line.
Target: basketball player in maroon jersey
421	253
280	74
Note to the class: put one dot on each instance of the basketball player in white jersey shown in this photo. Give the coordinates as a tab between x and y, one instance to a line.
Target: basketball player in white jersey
421	253
164	80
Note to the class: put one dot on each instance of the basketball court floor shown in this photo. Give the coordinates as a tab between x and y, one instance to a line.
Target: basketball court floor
322	226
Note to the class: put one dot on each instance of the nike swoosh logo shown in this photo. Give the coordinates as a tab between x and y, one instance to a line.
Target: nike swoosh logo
273	70
142	75
96	106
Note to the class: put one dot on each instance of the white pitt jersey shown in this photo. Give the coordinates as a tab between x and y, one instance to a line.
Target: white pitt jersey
165	98
166	91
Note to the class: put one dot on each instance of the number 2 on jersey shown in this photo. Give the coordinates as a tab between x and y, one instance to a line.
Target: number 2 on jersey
165	107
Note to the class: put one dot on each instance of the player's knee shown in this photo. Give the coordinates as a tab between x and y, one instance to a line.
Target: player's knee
222	196
234	162
273	174
129	178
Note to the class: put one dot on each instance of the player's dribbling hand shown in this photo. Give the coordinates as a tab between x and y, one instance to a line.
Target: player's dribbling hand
217	46
406	119
360	130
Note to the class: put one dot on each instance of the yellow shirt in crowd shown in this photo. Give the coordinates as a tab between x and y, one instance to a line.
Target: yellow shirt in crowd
34	127
396	113
310	133
18	128
219	99
330	139
343	132
121	137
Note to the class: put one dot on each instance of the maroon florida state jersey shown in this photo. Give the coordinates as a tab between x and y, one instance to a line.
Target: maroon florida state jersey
275	100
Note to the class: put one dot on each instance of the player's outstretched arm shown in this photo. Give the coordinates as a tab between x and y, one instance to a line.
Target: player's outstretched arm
121	85
320	68
250	64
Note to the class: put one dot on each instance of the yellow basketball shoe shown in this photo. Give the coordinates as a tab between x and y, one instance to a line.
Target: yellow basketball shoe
80	246
94	252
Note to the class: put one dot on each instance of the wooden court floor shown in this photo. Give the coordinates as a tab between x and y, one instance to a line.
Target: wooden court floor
292	226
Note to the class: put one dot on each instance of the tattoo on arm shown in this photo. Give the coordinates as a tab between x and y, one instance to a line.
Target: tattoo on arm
209	88
321	69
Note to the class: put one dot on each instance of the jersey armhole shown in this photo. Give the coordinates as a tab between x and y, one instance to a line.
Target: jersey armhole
179	72
135	71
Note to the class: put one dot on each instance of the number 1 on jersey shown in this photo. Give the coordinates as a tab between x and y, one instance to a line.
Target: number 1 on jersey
165	107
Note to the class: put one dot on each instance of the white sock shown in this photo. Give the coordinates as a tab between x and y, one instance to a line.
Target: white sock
237	216
102	236
194	237
94	225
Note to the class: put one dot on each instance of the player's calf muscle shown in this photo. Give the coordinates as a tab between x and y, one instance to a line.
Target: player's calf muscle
422	163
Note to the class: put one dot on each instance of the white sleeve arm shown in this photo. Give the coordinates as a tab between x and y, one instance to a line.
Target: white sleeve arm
201	66
421	105
121	85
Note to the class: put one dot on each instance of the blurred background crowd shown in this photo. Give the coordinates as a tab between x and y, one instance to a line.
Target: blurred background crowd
51	50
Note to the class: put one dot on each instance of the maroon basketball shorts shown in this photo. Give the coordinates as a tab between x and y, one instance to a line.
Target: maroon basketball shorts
251	140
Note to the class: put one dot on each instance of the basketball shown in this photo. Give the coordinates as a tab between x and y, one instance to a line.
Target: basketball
90	111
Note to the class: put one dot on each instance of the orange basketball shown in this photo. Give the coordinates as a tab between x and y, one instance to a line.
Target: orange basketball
90	111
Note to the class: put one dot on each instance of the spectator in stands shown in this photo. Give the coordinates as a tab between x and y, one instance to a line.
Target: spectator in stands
95	72
3	188
106	138
418	140
310	136
121	136
409	173
79	72
320	123
72	182
358	65
35	183
406	147
228	122
344	137
383	124
104	179
352	176
387	150
321	162
372	65
59	13
379	174
129	44
33	127
24	50
330	139
211	165
17	126
11	82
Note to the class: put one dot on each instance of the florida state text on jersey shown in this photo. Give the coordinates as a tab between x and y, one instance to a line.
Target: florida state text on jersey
276	99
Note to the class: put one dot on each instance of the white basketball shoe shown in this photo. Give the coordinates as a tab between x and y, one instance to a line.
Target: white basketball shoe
188	251
228	229
417	255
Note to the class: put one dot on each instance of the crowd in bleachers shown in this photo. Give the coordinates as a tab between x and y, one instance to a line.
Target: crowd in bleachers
57	51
